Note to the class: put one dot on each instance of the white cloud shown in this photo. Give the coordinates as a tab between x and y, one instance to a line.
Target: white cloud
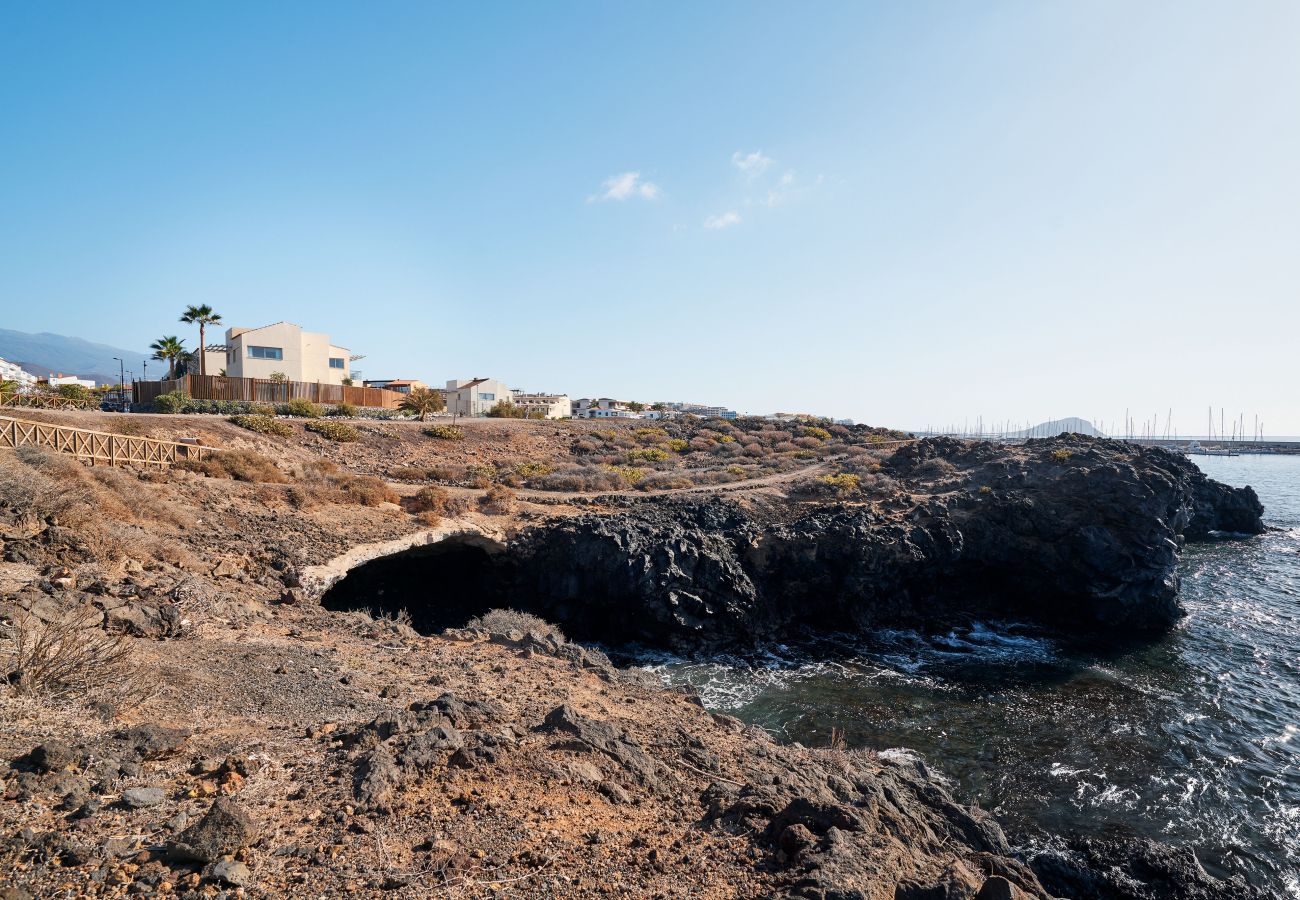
753	164
783	186
629	184
725	220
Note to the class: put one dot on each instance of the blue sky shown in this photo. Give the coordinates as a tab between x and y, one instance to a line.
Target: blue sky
900	213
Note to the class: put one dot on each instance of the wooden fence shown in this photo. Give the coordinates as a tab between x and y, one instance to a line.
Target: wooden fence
98	447
45	401
260	390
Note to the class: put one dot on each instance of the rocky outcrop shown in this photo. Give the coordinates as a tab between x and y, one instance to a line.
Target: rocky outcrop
1073	532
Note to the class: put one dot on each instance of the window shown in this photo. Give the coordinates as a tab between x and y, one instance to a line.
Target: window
265	352
336	362
483	396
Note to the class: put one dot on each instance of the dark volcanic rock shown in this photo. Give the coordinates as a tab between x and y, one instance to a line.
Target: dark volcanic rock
224	830
1132	868
1074	532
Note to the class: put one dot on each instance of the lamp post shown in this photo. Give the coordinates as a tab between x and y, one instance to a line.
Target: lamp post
121	378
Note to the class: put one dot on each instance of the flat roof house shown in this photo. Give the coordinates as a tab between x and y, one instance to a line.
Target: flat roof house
475	396
282	348
400	385
549	406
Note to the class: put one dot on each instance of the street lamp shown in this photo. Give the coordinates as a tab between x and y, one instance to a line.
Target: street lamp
121	378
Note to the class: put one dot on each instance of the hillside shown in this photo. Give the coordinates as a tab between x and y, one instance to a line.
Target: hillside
1071	425
44	353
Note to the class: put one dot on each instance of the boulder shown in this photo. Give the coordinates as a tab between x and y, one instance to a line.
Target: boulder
225	829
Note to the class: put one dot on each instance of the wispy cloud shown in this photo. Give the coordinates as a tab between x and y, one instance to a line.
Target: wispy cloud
779	191
723	220
753	164
621	187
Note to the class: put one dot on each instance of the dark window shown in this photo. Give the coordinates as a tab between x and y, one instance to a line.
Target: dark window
265	353
483	396
336	362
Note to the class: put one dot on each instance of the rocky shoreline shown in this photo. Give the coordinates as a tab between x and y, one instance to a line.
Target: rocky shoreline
1074	533
287	749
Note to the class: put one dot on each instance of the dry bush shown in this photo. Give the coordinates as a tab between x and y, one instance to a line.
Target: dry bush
428	500
578	479
499	500
70	657
504	621
665	481
318	467
412	473
936	468
239	465
365	490
129	427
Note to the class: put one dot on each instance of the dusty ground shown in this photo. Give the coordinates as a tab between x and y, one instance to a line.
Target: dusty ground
350	775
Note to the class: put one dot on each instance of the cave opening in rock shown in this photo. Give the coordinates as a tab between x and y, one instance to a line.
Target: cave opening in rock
440	585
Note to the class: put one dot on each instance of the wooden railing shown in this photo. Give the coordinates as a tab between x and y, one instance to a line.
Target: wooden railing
97	447
46	401
261	390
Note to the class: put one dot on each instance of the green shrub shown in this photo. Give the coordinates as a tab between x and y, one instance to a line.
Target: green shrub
534	469
344	409
812	431
678	445
261	409
481	470
8	387
738	471
650	432
504	409
647	454
985	489
445	432
630	474
339	432
1061	456
169	403
300	407
844	482
73	392
263	425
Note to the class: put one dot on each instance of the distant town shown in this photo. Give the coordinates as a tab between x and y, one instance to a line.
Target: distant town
283	353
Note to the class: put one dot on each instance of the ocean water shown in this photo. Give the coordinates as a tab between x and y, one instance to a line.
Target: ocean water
1194	739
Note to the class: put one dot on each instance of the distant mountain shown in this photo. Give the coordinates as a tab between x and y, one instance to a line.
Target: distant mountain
1058	426
44	353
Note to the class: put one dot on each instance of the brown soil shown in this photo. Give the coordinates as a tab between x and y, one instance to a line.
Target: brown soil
275	696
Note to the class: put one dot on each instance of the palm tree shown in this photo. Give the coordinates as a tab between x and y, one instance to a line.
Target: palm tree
422	401
202	316
169	349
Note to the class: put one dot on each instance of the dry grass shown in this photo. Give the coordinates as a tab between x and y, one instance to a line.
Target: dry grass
499	500
504	621
239	465
71	657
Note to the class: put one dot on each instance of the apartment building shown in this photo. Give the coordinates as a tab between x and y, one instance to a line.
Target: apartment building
603	408
282	348
549	406
14	372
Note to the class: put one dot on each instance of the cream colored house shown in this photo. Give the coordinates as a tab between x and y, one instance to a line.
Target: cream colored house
282	348
475	396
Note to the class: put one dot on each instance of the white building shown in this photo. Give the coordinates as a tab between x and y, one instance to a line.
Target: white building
56	380
604	408
701	410
14	372
475	396
549	406
280	349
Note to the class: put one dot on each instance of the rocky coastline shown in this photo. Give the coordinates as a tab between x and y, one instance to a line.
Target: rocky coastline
288	747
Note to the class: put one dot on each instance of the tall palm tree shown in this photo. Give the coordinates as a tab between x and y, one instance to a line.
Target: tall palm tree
169	349
422	401
203	316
